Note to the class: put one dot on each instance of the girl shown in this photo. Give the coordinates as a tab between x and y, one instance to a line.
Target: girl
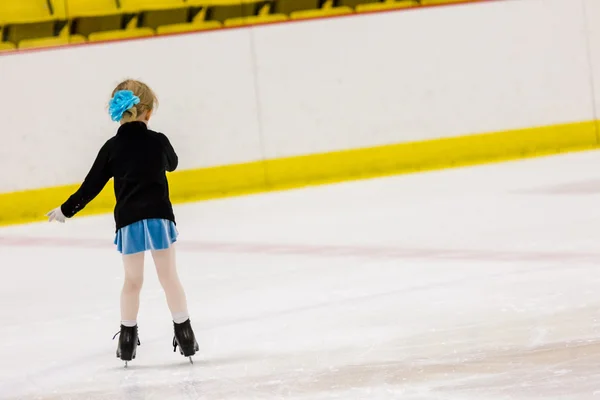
137	158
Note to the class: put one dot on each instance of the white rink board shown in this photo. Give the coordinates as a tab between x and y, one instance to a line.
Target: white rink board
321	85
207	103
592	12
418	75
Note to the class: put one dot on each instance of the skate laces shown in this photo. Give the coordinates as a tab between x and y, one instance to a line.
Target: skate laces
116	334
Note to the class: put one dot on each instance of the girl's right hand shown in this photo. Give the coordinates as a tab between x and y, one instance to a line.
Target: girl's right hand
56	215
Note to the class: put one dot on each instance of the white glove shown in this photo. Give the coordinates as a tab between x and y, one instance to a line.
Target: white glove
56	215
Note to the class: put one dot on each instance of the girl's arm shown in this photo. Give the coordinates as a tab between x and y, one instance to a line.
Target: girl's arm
93	184
172	159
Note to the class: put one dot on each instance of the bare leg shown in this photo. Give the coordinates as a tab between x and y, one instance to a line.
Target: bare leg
166	269
130	295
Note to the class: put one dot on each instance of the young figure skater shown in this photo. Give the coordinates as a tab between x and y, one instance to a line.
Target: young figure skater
137	158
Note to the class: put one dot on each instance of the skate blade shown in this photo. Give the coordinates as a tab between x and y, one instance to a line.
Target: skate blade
191	361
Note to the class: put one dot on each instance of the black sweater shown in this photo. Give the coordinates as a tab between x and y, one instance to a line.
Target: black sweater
137	158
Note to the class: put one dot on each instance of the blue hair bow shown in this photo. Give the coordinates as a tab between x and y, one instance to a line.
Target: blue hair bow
122	101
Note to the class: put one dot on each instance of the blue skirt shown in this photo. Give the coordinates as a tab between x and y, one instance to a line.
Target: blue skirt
147	234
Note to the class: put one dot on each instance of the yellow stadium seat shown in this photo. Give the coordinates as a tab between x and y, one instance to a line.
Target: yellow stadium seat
120	35
89	16
86	26
155	18
50	42
18	32
228	11
43	42
213	3
24	11
6	46
190	27
148	5
321	13
76	39
390	5
354	3
255	20
59	8
87	8
289	6
434	2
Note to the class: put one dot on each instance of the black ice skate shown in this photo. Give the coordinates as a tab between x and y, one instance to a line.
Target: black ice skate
185	339
128	343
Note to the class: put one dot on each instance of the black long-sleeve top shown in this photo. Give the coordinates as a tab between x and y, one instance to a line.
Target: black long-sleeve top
137	158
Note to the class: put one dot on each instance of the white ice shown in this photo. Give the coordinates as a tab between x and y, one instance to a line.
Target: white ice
476	283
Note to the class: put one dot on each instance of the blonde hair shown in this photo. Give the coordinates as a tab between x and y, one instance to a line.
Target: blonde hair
148	100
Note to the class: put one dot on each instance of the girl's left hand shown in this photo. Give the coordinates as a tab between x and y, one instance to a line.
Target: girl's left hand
56	215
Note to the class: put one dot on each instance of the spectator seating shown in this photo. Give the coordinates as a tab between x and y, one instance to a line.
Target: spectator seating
26	24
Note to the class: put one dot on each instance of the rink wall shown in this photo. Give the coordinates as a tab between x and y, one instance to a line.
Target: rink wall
310	102
592	27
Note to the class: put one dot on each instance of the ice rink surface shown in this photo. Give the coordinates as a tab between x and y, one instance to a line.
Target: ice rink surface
476	283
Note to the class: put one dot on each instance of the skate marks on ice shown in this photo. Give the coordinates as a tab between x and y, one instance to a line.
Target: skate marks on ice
587	187
368	252
534	349
519	358
557	371
529	351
